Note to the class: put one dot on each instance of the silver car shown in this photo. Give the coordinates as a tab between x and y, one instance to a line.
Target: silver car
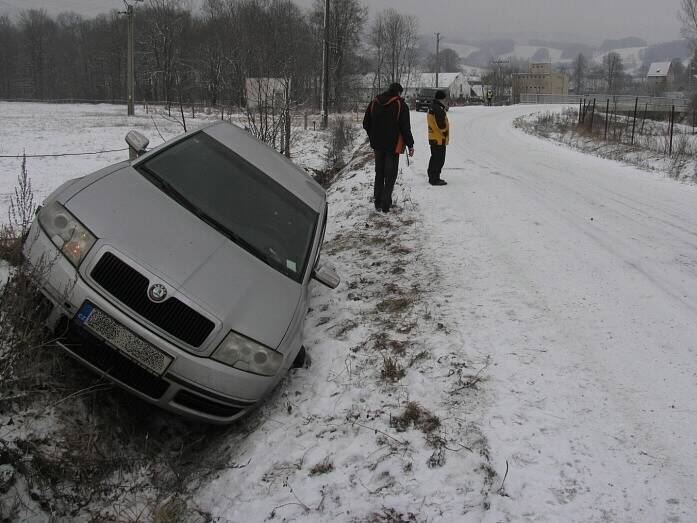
183	275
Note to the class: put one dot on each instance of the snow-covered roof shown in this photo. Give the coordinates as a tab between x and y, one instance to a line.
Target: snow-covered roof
659	69
429	80
416	80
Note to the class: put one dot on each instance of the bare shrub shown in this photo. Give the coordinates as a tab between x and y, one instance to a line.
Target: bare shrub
22	316
20	217
174	510
418	417
22	308
550	122
390	515
341	138
22	206
323	467
397	305
391	370
683	150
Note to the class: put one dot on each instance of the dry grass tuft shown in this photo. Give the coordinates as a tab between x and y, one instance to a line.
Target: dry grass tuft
418	417
390	515
323	467
172	511
392	370
395	305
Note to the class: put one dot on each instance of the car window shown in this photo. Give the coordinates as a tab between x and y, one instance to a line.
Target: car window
238	199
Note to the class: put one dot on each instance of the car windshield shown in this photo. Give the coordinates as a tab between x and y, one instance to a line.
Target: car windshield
237	199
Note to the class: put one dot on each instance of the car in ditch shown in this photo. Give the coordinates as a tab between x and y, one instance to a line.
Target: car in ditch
183	275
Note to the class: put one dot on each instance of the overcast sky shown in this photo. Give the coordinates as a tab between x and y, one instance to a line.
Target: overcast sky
585	20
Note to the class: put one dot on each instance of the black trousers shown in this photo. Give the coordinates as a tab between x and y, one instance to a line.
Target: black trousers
386	169
435	165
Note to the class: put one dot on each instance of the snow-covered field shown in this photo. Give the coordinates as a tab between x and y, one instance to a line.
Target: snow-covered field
39	129
540	310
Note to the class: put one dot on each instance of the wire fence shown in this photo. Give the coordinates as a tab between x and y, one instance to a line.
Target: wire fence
622	103
621	122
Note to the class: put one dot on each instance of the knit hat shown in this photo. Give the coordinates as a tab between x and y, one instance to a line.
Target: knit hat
440	95
395	89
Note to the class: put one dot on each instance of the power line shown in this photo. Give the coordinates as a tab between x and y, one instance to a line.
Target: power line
64	154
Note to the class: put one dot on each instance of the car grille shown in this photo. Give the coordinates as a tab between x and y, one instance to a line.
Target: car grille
206	406
112	362
131	288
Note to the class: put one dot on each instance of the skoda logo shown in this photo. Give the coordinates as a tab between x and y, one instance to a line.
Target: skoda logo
157	292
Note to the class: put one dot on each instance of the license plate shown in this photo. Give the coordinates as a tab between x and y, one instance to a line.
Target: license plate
132	346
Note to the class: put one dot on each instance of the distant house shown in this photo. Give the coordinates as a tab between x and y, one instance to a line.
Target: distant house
540	80
660	76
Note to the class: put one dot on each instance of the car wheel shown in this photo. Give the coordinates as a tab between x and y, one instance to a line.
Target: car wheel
300	358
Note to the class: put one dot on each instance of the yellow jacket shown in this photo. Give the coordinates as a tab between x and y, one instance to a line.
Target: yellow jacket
438	124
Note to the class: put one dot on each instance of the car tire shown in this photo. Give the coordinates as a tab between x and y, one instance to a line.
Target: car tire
300	359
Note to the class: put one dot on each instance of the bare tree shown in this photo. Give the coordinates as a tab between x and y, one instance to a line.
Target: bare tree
580	71
163	39
346	22
38	30
182	55
688	18
614	71
8	55
449	62
394	39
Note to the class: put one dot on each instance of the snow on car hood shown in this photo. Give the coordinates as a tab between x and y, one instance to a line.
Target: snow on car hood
130	214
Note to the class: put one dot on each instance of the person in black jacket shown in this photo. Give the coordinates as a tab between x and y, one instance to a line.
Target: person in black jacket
388	126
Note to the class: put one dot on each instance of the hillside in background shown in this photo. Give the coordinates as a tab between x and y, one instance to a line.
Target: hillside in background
635	52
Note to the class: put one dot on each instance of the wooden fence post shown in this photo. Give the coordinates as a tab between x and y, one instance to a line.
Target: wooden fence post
636	106
607	116
672	124
592	115
643	120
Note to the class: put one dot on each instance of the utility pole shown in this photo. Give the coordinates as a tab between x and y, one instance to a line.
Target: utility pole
325	69
438	39
130	60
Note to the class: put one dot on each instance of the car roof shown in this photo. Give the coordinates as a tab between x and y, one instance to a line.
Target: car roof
274	165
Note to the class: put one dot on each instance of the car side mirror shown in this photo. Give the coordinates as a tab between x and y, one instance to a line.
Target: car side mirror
326	275
137	144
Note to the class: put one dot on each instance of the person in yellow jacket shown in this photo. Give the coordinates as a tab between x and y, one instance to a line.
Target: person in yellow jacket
438	138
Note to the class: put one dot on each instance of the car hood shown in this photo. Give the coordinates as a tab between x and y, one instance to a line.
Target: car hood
129	214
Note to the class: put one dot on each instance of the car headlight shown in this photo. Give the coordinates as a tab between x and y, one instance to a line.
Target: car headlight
66	232
248	355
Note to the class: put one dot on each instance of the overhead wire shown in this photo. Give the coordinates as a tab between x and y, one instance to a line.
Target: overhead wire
58	155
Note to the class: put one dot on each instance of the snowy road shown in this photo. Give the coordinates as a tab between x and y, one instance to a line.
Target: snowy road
579	277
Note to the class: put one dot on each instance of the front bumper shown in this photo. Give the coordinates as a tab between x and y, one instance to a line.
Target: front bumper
194	386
